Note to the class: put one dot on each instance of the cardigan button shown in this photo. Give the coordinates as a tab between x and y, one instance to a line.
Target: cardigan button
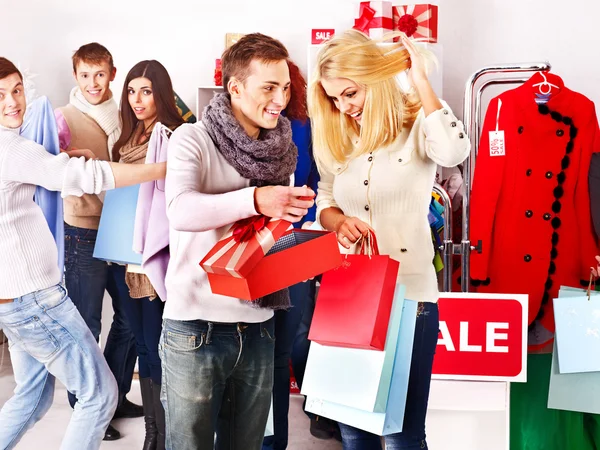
370	158
460	135
453	124
445	112
559	133
399	159
366	207
547	216
520	130
528	213
366	182
527	258
549	174
528	173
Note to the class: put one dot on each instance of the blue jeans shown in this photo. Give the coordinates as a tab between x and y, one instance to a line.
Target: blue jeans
86	279
145	320
286	327
206	365
412	436
47	339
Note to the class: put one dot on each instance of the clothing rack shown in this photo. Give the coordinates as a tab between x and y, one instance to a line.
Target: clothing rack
472	119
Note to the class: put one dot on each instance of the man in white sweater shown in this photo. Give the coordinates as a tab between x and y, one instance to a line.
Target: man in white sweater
217	351
47	336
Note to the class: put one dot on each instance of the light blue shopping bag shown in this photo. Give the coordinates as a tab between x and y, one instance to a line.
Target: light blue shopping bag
115	232
335	373
573	391
577	337
390	421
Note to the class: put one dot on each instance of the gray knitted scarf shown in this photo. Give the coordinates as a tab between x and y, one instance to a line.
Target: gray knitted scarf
266	161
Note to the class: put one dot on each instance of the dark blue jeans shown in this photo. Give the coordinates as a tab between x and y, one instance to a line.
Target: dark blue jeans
145	320
86	279
217	377
412	436
286	327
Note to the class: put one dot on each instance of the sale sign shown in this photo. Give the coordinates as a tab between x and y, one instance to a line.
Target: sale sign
319	36
482	337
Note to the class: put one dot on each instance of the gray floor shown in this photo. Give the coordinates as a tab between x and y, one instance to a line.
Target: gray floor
48	432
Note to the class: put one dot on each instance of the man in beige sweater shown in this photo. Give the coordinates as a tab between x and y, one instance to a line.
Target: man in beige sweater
91	121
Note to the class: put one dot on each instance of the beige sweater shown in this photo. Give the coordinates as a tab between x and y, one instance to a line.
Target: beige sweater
79	130
391	190
29	255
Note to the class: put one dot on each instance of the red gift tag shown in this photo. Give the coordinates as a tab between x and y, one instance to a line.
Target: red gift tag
319	36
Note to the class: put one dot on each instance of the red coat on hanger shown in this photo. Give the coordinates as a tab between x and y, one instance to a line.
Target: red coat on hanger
530	206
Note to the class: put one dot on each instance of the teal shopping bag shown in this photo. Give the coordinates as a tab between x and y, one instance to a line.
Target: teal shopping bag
114	242
390	421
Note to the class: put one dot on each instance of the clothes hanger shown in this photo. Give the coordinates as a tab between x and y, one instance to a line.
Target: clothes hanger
545	84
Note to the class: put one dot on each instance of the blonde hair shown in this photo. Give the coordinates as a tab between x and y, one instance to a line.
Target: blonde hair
387	108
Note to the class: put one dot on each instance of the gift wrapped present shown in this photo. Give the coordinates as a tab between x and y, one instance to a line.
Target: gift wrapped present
417	21
218	77
375	19
259	256
183	110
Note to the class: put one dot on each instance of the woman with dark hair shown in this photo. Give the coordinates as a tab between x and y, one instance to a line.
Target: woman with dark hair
147	99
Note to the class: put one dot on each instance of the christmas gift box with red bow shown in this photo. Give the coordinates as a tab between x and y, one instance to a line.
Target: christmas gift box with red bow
259	256
375	19
417	21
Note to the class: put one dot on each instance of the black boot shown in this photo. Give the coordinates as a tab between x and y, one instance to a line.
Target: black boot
160	417
147	388
111	434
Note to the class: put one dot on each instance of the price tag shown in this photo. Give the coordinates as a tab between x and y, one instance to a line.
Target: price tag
497	143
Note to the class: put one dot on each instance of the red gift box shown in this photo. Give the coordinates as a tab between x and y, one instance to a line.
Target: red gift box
243	246
355	302
375	19
417	21
296	256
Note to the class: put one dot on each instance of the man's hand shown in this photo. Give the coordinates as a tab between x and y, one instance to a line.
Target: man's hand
76	153
284	202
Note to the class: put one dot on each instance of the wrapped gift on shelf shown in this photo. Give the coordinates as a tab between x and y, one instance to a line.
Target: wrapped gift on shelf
417	21
259	256
375	19
218	73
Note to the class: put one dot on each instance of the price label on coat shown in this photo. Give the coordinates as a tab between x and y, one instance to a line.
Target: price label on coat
497	143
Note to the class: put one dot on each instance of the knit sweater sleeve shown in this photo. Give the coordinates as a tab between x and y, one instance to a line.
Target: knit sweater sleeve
189	207
446	142
325	192
24	161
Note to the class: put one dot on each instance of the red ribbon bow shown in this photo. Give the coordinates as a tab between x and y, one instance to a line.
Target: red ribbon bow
366	15
408	24
245	229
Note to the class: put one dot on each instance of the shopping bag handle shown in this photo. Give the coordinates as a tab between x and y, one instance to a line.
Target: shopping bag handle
368	244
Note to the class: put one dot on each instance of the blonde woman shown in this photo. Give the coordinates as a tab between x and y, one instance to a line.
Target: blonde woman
377	148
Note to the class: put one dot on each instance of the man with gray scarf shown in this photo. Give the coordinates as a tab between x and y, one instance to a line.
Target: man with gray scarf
234	164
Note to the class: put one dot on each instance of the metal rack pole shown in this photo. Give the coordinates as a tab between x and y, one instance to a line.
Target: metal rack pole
447	247
469	113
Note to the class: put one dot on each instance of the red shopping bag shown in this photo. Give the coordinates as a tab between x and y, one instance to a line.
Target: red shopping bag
355	300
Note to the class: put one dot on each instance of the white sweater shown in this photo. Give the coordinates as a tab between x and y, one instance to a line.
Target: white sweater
205	196
390	189
28	260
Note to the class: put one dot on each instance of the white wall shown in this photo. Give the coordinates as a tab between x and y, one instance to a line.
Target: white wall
187	36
